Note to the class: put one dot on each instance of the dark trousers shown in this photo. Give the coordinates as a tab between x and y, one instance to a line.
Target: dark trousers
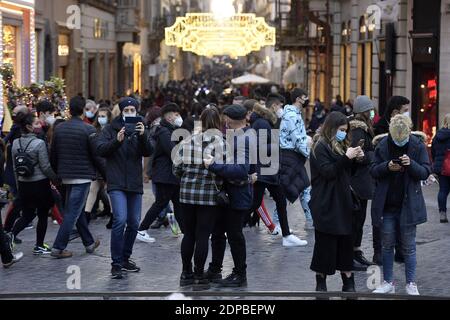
199	222
444	190
28	216
163	195
5	249
230	222
359	218
13	214
280	200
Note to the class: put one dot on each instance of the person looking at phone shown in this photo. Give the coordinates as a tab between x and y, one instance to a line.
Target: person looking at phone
361	132
124	152
400	163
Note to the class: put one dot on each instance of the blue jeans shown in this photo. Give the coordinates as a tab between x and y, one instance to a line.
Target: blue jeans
126	208
444	190
408	243
305	197
76	196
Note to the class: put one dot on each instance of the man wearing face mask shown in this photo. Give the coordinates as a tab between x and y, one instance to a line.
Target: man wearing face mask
124	153
294	147
396	105
46	113
400	163
166	184
275	103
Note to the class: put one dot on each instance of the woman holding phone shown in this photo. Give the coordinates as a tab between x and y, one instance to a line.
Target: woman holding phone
361	135
332	160
124	150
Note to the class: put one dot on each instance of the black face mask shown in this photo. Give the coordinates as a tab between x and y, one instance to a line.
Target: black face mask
306	104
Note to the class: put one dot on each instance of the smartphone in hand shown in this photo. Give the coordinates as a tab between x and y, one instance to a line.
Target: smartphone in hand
130	125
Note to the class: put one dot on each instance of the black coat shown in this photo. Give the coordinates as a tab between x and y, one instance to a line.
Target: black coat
162	157
72	155
123	159
413	210
361	180
293	176
441	143
331	199
262	119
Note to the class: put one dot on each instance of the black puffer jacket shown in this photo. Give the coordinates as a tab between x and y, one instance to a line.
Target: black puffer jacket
162	158
293	176
361	180
123	159
72	155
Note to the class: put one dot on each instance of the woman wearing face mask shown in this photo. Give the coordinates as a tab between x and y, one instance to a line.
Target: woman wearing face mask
332	203
103	118
90	111
361	131
34	190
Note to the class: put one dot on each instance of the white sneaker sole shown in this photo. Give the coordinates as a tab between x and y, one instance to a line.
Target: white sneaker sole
146	240
289	245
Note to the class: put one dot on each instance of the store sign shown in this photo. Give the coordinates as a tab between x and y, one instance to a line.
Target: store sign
63	50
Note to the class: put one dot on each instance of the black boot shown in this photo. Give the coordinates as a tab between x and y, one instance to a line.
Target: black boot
321	283
214	277
186	279
377	258
234	280
201	281
359	256
348	284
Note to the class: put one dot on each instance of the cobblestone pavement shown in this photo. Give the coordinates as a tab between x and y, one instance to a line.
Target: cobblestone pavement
271	267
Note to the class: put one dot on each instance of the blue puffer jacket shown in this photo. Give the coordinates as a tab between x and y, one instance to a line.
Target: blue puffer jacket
441	143
413	210
239	191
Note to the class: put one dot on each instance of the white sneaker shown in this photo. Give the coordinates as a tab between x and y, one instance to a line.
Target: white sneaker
293	241
411	289
386	287
144	237
276	231
28	227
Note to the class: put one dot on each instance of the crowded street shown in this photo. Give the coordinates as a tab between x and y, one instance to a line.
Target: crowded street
224	149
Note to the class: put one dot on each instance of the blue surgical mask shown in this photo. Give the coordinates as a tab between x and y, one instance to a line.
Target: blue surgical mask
401	143
372	114
103	121
90	114
341	135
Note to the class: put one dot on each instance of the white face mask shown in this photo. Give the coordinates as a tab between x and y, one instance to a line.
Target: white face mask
129	115
103	121
280	113
178	122
407	114
50	120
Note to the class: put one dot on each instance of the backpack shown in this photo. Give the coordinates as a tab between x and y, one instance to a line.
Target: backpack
23	162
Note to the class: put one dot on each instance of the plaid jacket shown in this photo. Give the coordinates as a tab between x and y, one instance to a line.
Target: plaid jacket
198	186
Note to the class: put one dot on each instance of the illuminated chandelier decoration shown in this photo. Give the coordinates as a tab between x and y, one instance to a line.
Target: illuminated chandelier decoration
207	35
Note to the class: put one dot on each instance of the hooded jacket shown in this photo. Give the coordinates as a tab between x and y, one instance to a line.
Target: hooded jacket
440	145
413	210
263	119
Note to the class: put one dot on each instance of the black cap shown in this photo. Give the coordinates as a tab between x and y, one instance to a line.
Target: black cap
235	112
127	102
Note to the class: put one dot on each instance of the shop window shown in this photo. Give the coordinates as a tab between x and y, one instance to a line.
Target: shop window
11	48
